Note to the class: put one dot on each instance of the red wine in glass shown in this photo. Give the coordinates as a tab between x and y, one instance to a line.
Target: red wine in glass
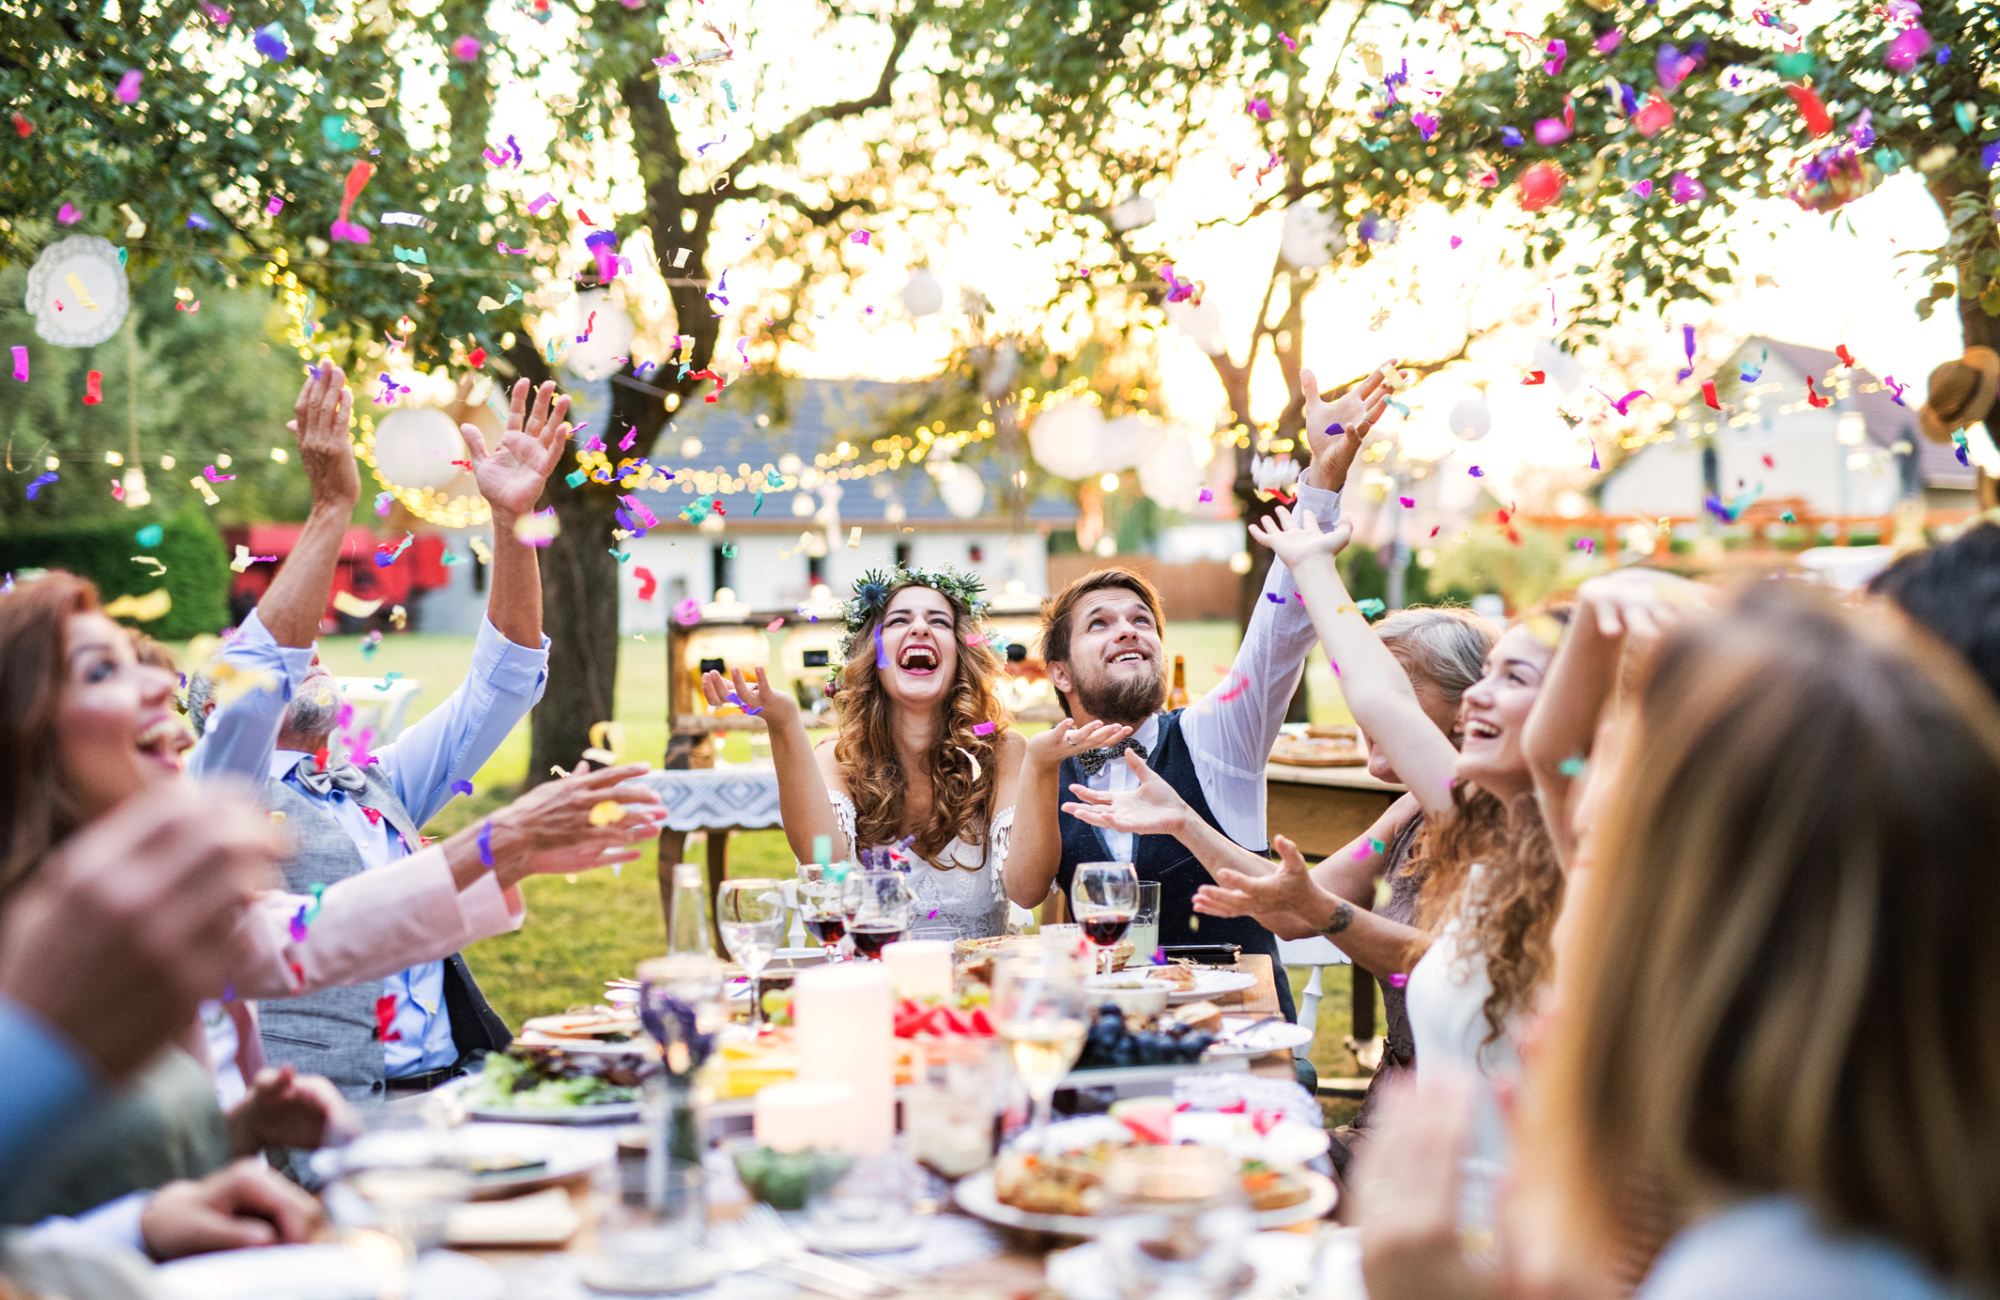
870	940
827	928
1106	928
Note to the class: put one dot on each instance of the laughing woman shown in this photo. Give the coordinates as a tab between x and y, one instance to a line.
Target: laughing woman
924	752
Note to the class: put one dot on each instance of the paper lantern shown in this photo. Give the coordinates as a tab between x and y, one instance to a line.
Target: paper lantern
922	293
1172	467
963	491
1310	239
77	292
415	448
609	336
1119	443
1541	185
1064	436
1471	419
1201	323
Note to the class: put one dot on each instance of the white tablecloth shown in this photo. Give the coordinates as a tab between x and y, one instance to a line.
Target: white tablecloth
699	798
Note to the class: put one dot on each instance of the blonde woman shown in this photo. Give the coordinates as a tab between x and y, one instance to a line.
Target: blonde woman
924	753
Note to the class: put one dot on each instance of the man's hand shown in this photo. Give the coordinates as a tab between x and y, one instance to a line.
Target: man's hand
241	1206
134	919
1336	430
1047	749
777	706
511	475
321	419
1297	540
286	1109
1155	808
1288	889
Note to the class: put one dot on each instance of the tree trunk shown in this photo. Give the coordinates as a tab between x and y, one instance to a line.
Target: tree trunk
580	613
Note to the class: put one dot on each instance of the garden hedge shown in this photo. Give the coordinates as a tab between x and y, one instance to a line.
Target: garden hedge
197	565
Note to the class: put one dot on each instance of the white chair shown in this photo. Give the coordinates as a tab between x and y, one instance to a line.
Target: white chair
381	706
1318	953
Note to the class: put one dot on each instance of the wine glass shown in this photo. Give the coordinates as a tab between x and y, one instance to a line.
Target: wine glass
1105	896
1040	1004
751	914
879	910
820	908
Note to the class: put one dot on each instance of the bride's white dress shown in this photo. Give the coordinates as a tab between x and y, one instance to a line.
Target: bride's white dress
962	888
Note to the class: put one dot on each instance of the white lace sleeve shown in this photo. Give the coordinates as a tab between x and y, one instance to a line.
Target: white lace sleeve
997	838
843	811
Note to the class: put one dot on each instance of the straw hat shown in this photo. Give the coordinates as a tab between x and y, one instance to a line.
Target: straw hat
1961	393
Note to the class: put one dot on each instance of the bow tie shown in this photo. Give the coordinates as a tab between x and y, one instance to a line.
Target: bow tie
342	773
1092	761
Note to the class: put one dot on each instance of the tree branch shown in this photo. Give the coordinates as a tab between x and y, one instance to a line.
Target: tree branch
780	142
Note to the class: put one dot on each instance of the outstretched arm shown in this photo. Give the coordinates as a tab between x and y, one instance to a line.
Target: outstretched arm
1292	904
804	805
511	476
1377	690
292	607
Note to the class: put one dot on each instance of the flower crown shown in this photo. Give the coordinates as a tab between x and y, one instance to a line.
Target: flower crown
871	594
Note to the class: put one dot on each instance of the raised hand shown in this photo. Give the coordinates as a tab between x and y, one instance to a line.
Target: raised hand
1296	538
1155	808
1289	888
511	475
556	815
774	704
321	420
1047	749
1640	603
1335	430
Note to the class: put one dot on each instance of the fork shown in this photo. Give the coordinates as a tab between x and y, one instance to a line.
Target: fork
773	1234
742	1250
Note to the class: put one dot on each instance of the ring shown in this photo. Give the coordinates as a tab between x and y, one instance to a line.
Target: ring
1069	740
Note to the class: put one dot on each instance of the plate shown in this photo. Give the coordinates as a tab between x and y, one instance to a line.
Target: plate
617	1112
1267	1036
1286	1142
974	1194
563	1154
1214	984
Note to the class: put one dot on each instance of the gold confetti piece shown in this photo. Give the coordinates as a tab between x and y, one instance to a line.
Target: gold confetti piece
242	561
399	618
353	606
159	569
142	609
1545	629
536	529
556	770
606	812
854	538
481	549
200	485
608	736
601	757
83	298
277	818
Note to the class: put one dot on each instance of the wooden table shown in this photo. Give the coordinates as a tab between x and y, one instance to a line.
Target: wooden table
1322	810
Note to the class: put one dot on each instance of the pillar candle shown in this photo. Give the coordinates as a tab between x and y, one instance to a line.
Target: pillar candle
920	968
799	1115
845	1015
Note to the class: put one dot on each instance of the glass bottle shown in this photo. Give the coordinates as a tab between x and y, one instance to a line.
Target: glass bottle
688	930
1177	698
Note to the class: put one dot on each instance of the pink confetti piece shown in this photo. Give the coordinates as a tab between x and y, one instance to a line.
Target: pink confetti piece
982	729
1409	503
466	48
858	237
274	207
1235	691
128	86
775	624
67	215
21	363
1206	496
535	208
1456	241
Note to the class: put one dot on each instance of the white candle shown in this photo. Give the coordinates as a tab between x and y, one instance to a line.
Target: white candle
920	968
845	1015
799	1115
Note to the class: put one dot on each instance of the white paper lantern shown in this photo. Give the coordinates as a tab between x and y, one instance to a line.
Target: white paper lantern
1311	239
1064	438
77	292
1203	324
415	448
1133	213
964	492
1171	467
1471	419
923	293
610	341
1120	443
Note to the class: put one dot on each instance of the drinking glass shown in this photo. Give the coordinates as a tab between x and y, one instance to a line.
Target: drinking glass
1145	931
393	1187
1040	1004
880	912
751	914
1175	1220
820	908
1106	897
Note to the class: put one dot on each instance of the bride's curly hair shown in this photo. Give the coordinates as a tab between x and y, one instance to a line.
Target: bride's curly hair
963	770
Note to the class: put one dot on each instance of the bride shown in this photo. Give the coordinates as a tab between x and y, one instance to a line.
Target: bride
924	751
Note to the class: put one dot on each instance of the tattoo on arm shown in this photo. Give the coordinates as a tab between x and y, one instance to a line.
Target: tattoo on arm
1343	916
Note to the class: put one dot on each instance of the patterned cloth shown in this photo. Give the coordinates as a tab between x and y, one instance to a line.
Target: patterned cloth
701	798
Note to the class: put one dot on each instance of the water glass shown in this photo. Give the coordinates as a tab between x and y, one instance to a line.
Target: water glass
1175	1222
650	1238
751	915
1145	931
957	1090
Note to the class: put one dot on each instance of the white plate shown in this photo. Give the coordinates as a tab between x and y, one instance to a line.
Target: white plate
1238	1039
974	1194
617	1112
1286	1142
1214	984
1283	1262
637	1047
270	1273
565	1154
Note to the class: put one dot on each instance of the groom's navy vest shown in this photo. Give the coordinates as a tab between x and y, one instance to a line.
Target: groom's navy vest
1165	859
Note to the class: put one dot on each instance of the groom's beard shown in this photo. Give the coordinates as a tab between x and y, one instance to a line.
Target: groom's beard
308	715
1126	701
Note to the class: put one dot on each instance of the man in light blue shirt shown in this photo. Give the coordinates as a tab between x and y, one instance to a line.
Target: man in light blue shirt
356	811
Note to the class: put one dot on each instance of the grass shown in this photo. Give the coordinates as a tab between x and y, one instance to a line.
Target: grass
582	931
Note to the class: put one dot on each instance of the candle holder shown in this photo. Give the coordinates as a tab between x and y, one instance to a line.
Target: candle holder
787	1180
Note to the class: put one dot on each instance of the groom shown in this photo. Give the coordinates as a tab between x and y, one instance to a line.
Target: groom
1101	642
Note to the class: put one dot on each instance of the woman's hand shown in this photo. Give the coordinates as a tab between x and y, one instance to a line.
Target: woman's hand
511	475
1047	749
775	704
1288	888
565	815
1297	540
287	1109
1335	430
1155	808
1638	603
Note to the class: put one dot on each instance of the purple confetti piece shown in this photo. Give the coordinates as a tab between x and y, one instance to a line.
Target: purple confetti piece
1476	472
1398	980
1274	598
486	842
881	655
229	993
298	926
41	481
1510	137
461	787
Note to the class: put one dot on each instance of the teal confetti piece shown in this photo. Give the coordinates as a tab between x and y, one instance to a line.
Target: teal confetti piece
150	535
759	504
1968	118
1401	409
822	849
1370	608
1574	766
576	479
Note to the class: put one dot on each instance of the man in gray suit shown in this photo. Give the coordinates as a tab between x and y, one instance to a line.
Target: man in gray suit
416	1029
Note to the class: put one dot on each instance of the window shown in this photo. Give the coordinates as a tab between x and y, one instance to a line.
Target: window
719	566
902	555
815	569
975	553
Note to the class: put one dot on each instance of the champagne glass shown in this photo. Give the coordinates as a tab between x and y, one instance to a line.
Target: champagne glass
881	910
751	914
820	908
1040	1004
1106	898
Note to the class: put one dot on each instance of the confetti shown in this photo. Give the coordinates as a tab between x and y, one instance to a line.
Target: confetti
200	484
142	609
346	602
1535	377
881	655
159	570
688	612
1476	472
272	43
982	729
39	482
1274	598
858	237
21	363
537	529
128	86
486	842
1575	765
1623	404
343	227
93	388
209	472
1370	608
775	624
1408	503
385	1008
461	787
648	584
606	811
1813	397
1708	395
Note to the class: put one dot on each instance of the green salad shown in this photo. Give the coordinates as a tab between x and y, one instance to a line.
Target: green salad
542	1078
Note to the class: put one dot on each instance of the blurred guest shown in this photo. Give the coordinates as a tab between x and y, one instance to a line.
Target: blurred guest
1954	590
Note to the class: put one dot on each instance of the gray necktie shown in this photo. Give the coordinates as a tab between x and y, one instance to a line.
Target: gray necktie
342	773
1092	761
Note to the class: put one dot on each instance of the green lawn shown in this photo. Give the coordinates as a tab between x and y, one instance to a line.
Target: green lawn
580	933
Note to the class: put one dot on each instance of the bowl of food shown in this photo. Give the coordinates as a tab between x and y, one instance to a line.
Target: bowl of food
1134	993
